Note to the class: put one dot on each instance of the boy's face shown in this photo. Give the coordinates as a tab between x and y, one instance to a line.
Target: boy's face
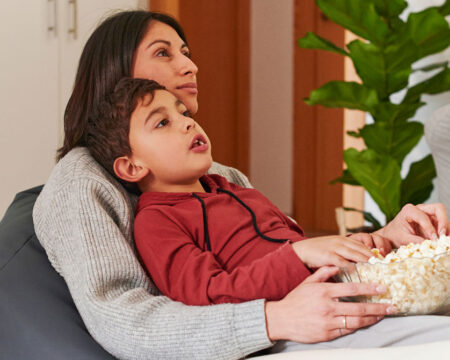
165	140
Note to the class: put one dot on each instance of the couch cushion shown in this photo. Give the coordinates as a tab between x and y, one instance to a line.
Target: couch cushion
38	317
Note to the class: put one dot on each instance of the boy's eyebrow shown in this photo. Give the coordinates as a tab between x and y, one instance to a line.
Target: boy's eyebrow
168	43
154	111
178	102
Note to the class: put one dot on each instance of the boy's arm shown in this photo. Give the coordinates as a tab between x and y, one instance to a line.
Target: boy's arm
186	273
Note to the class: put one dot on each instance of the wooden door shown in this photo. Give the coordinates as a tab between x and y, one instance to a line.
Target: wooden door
318	131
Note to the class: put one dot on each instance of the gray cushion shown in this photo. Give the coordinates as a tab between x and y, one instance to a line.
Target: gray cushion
38	319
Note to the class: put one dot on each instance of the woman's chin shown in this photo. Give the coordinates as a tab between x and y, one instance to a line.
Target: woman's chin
193	106
191	103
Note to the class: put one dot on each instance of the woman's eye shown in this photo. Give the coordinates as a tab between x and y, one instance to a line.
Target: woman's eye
187	54
187	113
162	123
162	52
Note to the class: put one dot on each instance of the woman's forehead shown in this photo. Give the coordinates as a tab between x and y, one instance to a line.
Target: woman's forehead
161	31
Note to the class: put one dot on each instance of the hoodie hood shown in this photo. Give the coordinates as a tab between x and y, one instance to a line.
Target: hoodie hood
210	183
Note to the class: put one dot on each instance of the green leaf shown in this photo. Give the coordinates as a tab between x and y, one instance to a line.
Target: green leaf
393	139
313	41
346	178
429	30
385	69
354	134
432	67
444	10
342	94
392	113
380	176
417	186
434	85
357	16
367	216
390	8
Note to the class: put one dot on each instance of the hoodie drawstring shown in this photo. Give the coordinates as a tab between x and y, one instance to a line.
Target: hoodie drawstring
255	226
205	222
233	196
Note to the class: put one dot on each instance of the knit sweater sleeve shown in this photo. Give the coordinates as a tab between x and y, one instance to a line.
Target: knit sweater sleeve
84	222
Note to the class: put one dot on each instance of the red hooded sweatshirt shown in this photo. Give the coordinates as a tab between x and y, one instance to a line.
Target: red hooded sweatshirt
228	244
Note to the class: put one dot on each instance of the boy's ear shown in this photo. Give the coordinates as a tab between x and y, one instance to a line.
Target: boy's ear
126	170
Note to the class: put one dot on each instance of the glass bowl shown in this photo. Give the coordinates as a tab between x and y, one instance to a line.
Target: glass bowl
416	286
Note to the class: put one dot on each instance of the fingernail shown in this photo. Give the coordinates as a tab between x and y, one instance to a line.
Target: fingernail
434	237
381	289
391	310
380	317
441	232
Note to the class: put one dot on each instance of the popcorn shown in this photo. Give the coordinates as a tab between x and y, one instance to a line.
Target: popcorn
416	276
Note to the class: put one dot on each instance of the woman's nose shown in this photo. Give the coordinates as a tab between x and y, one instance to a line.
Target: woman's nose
186	65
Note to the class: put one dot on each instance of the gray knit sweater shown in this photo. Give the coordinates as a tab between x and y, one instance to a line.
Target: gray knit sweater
84	220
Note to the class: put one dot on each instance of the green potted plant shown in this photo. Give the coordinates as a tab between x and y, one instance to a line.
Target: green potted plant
384	59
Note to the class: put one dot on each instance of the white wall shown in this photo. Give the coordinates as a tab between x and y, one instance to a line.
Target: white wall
433	103
38	69
271	110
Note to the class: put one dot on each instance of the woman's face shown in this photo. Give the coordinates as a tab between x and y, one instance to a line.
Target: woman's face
163	56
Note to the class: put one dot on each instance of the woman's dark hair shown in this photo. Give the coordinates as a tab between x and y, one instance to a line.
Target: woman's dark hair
106	58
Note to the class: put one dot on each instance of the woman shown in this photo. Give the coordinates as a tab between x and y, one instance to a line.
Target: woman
83	218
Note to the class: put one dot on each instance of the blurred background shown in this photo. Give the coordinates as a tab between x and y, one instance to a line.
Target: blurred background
252	80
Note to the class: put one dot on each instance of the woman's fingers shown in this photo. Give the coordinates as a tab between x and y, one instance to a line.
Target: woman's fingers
338	332
341	290
415	214
439	212
382	244
353	323
364	309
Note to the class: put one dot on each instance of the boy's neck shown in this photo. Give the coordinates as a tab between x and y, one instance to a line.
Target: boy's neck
194	187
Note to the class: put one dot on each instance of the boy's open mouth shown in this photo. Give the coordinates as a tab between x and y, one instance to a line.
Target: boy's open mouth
197	141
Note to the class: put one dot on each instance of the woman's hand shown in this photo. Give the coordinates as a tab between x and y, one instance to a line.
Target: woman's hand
373	241
331	250
312	313
417	223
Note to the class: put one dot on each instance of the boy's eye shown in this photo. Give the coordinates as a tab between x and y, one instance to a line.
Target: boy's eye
187	54
162	123
187	113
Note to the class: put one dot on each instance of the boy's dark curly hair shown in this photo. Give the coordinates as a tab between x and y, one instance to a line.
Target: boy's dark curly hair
108	127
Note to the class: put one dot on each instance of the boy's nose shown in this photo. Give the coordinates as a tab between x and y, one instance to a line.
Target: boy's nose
190	124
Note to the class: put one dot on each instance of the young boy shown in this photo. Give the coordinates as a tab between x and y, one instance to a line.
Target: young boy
202	239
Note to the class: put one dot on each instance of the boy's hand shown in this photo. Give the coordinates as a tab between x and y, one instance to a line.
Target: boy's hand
373	241
331	250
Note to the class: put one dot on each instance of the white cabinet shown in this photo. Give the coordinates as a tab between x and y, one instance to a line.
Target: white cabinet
38	63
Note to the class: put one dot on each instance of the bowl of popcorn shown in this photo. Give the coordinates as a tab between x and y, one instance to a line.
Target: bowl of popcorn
416	277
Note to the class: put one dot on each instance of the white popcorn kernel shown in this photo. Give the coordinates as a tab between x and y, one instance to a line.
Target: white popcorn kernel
417	276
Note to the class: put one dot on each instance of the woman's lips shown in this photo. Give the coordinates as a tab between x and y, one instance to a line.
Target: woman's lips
190	88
